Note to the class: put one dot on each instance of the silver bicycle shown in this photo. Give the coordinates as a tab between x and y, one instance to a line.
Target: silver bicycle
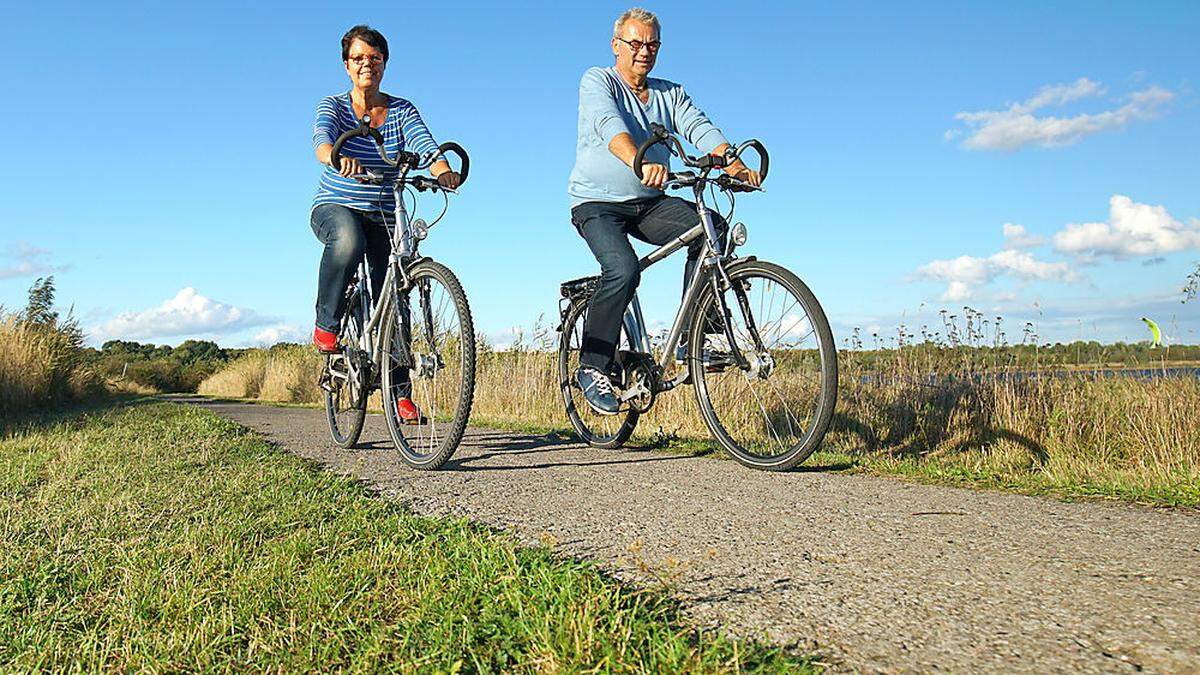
759	351
416	340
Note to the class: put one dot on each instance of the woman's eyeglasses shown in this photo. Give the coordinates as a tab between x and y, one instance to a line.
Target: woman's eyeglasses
373	59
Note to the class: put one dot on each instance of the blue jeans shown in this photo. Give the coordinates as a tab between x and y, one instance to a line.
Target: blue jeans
347	234
606	227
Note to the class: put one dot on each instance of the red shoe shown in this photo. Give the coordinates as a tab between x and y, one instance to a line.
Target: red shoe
408	412
325	341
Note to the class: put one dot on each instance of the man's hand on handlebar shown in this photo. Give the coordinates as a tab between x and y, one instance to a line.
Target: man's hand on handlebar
746	175
654	175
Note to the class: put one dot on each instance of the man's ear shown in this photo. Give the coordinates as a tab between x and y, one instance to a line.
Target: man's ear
615	47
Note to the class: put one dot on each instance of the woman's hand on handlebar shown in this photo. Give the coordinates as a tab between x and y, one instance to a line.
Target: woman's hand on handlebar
654	175
449	179
351	167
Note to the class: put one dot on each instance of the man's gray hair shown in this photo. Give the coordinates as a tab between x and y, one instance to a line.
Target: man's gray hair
637	14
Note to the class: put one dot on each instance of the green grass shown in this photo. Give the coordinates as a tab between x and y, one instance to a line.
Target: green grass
161	537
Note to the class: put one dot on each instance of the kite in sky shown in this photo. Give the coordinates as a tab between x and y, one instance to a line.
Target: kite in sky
1157	342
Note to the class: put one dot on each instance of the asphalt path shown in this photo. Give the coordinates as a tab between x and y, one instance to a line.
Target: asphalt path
876	574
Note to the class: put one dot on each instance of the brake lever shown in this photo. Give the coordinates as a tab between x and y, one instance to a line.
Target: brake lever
423	183
681	179
368	177
728	182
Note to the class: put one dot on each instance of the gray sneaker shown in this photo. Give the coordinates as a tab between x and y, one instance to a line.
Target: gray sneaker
597	391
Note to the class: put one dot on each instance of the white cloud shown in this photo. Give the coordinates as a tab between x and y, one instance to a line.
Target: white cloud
965	274
188	314
280	332
1132	230
1017	126
1016	238
25	260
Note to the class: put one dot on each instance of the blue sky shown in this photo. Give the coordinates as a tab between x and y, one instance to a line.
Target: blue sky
160	162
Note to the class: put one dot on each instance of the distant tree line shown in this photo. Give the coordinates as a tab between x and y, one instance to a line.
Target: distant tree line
1078	354
162	367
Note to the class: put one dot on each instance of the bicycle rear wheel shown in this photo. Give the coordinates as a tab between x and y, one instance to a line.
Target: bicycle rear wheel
598	431
435	345
344	382
773	414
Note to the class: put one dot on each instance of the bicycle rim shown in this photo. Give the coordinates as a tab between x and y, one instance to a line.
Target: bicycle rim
774	414
439	360
601	431
345	398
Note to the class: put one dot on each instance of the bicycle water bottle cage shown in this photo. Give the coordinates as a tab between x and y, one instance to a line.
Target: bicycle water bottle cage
581	288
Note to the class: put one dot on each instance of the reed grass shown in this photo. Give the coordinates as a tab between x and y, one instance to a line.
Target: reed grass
929	410
41	365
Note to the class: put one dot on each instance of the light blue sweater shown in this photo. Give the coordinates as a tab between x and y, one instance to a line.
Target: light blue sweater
607	107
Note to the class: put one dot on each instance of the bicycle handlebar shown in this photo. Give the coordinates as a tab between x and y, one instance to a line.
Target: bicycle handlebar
659	134
451	146
411	159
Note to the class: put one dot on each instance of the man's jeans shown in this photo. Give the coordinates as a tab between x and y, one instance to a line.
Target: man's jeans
347	234
607	226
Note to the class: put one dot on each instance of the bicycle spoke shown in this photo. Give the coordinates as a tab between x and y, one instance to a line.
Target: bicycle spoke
771	411
441	345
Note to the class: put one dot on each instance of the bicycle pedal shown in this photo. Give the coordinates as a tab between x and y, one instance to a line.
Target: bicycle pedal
415	422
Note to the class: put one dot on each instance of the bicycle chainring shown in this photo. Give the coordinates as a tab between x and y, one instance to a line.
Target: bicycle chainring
641	374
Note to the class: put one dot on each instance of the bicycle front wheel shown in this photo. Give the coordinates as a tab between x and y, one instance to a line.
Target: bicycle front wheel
429	357
772	412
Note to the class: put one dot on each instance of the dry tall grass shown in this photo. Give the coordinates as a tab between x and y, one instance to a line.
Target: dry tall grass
286	373
40	366
938	412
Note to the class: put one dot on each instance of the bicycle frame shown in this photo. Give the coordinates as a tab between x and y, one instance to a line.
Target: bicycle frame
405	240
406	234
635	323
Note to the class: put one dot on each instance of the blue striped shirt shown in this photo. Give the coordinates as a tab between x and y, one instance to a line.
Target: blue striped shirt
402	130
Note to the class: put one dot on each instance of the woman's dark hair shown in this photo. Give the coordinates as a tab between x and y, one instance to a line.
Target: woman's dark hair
368	35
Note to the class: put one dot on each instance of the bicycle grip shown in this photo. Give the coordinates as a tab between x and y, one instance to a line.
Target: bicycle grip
764	159
641	154
365	129
451	146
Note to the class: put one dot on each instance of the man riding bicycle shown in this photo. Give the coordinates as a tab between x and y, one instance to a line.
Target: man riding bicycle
617	106
350	216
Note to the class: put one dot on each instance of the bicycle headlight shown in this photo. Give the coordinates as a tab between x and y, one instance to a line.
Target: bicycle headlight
738	234
419	229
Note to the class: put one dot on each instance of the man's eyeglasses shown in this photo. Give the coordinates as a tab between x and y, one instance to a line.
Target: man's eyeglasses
636	45
373	59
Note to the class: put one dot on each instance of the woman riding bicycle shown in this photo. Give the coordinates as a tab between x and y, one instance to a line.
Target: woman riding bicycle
349	216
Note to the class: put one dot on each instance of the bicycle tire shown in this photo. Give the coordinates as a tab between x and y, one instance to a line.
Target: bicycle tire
566	375
345	433
826	399
464	396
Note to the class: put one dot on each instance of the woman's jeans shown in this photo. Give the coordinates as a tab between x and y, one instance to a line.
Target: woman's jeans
347	234
606	227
